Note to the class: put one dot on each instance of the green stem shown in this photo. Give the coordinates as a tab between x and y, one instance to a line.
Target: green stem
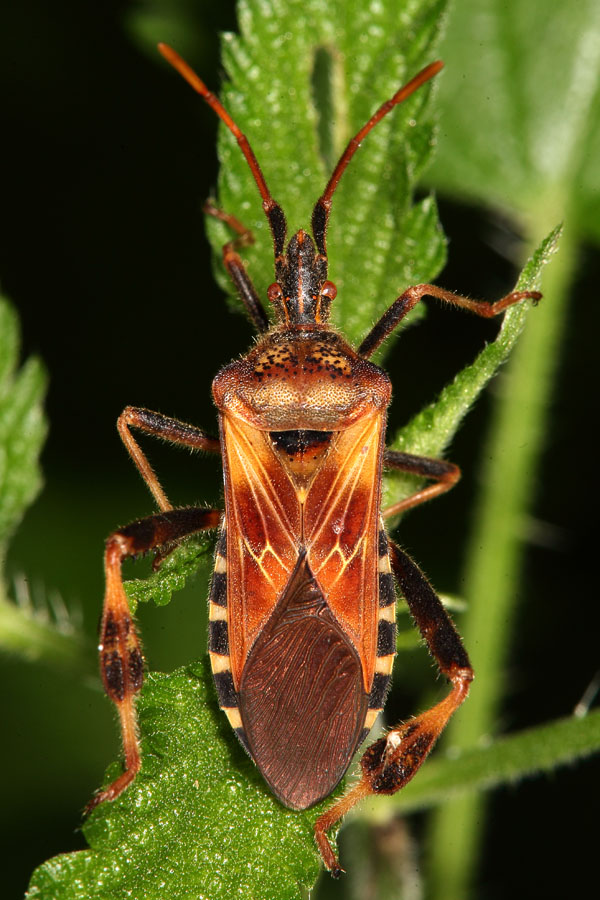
494	558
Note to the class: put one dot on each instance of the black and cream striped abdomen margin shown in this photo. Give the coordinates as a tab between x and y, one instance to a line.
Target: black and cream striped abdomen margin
218	637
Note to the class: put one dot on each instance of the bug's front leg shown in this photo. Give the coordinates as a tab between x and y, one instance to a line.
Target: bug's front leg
236	269
121	660
391	762
409	299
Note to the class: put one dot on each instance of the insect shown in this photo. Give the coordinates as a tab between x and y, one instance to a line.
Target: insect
302	603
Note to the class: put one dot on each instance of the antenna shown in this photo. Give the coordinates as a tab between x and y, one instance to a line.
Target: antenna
273	211
320	216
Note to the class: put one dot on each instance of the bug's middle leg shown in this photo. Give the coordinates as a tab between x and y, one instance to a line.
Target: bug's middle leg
444	474
168	429
392	761
121	660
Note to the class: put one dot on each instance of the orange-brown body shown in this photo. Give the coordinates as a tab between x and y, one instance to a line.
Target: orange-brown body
302	423
302	622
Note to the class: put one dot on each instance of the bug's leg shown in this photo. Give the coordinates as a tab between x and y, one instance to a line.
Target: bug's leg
391	762
169	430
445	474
236	269
121	660
409	299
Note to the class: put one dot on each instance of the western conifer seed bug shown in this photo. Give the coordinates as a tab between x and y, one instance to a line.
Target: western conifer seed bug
302	629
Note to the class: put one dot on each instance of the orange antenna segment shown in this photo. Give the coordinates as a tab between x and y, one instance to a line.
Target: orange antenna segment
196	82
414	84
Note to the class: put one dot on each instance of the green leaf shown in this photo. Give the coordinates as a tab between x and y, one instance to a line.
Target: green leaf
22	426
198	821
379	240
520	104
183	563
41	630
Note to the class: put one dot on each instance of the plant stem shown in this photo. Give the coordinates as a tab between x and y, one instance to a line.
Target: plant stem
494	558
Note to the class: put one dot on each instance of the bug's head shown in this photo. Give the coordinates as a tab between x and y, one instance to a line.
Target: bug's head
301	295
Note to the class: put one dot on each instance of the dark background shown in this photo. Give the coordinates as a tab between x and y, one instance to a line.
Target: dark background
107	161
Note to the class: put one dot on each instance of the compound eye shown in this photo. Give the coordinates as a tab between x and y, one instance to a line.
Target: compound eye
329	290
274	292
